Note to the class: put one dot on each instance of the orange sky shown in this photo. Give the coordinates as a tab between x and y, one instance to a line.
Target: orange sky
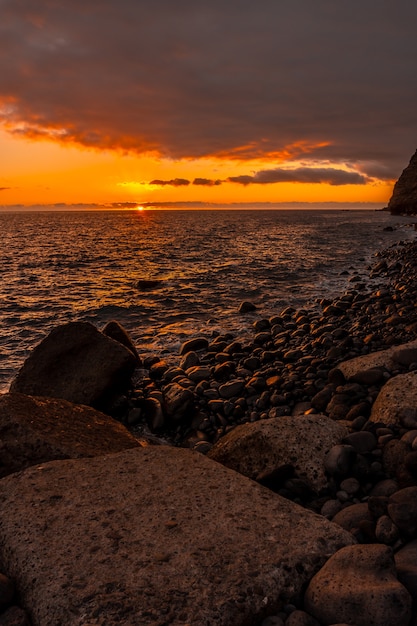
43	172
213	102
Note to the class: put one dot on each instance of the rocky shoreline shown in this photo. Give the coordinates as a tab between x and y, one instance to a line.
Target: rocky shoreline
264	482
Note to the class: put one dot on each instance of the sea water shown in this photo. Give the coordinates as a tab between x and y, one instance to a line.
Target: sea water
63	266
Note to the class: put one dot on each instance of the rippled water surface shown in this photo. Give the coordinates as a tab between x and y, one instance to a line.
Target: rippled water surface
57	267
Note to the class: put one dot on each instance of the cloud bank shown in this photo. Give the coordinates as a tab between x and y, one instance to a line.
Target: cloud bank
324	80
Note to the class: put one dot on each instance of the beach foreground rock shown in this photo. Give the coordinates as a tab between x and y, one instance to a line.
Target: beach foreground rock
155	536
37	430
358	585
269	446
78	363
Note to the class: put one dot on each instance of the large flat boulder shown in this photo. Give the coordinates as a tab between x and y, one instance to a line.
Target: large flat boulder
155	536
37	430
263	447
389	360
78	363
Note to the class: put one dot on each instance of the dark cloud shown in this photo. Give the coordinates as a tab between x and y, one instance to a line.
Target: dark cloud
4	188
323	80
207	182
302	175
175	182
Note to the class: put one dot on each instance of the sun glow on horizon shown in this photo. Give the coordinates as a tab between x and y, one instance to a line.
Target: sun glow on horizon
48	172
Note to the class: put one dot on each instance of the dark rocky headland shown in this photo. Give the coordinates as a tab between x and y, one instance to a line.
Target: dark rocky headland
404	197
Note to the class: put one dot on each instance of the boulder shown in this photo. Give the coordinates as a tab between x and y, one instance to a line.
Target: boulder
264	447
358	586
396	403
115	331
155	535
37	430
406	564
404	196
366	367
78	363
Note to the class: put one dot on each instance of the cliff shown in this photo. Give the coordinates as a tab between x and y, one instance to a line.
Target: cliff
404	196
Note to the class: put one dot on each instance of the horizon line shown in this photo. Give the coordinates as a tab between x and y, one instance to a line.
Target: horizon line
187	205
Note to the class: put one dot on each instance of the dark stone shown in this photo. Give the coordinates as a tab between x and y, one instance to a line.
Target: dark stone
363	441
247	307
402	509
115	331
78	363
199	343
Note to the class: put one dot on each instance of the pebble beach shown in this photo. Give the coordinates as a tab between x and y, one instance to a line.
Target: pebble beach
339	377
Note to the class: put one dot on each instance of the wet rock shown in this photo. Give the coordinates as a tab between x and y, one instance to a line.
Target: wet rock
190	359
232	388
101	549
358	586
177	401
115	331
263	447
147	284
198	373
37	430
247	307
78	363
322	398
154	414
199	343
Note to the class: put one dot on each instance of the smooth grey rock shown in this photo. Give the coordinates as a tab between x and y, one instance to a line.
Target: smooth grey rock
300	441
358	586
78	363
37	430
155	535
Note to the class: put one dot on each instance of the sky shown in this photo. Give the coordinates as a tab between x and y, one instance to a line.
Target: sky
206	102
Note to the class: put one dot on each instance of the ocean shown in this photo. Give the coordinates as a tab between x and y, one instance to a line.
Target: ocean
96	266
